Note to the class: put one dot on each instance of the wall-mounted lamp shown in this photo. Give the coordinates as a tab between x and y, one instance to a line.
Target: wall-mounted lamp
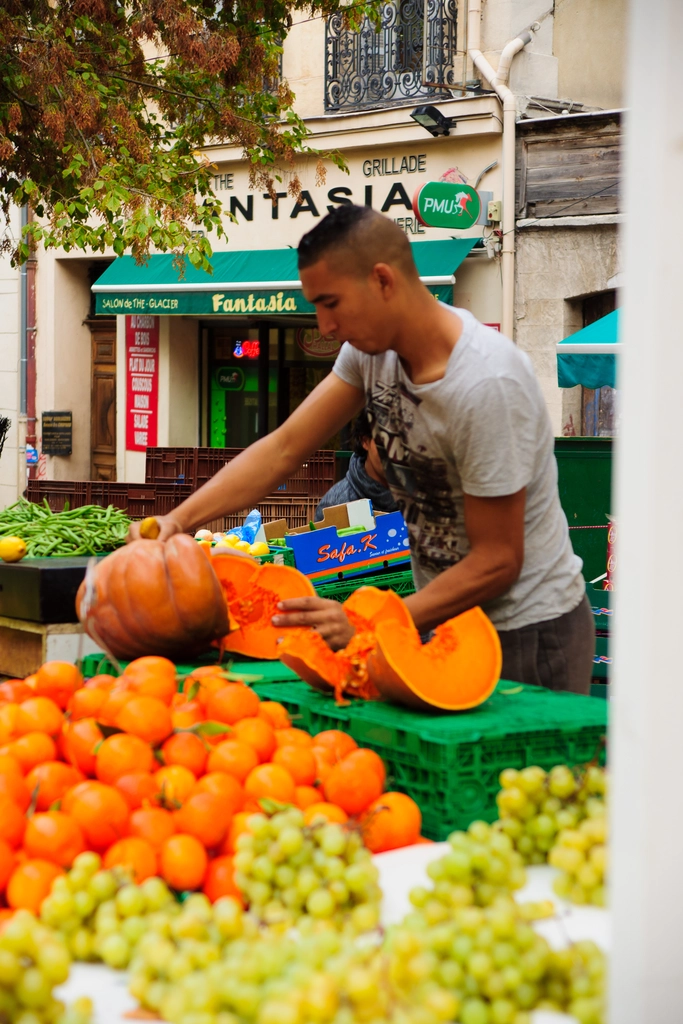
433	120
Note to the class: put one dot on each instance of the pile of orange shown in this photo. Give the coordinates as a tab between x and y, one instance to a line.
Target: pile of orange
163	780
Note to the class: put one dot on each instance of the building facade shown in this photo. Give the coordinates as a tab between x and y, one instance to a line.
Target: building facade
147	359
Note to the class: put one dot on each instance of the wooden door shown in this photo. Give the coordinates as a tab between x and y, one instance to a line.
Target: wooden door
103	404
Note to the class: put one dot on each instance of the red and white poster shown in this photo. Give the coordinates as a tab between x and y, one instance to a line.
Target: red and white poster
142	382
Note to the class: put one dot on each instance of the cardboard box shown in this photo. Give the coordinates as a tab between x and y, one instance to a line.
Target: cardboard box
323	555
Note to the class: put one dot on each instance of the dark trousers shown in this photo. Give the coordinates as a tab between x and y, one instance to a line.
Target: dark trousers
557	654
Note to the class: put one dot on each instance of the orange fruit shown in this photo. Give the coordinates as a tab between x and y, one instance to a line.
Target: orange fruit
238	825
293	738
187	713
423	841
30	883
323	761
324	810
54	836
117	697
87	702
200	688
365	758
183	862
135	855
224	786
275	714
338	743
232	703
80	740
351	787
299	762
52	779
219	880
153	677
258	734
270	781
12	822
33	748
146	717
187	749
121	754
138	789
153	824
13	691
39	714
57	680
10	766
8	721
234	757
307	795
205	816
101	682
8	862
15	790
390	822
174	782
100	810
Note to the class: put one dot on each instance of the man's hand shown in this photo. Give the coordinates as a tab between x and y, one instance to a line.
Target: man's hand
168	528
327	617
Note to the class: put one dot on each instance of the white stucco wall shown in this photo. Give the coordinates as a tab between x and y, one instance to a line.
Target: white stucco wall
12	460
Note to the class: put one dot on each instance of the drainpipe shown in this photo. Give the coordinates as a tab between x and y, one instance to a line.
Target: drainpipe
28	347
498	80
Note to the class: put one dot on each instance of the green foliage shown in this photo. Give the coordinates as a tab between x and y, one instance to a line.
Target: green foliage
106	105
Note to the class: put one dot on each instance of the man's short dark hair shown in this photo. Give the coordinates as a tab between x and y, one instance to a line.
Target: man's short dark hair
354	239
361	432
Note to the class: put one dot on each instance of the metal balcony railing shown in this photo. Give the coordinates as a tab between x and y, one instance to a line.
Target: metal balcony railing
403	59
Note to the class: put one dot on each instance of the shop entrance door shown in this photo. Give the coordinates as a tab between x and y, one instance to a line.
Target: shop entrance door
103	403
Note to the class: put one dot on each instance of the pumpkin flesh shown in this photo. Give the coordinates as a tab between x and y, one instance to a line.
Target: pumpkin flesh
345	672
154	598
253	592
456	670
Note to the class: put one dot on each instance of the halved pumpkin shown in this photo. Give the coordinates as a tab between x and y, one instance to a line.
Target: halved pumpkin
345	671
252	592
456	670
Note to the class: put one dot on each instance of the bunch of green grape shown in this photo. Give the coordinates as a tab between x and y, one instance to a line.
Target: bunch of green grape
481	865
101	913
581	856
289	871
535	805
33	961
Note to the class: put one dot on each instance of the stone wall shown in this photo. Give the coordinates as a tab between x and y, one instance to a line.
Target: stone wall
555	269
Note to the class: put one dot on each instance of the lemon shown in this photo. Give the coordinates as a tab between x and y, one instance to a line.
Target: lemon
149	528
232	540
12	549
259	548
242	545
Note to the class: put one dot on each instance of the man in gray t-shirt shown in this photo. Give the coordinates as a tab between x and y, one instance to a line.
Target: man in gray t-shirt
465	444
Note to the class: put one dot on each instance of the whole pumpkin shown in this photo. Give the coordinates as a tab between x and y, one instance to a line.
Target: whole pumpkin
153	598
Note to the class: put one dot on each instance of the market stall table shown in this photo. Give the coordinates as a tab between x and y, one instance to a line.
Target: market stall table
400	871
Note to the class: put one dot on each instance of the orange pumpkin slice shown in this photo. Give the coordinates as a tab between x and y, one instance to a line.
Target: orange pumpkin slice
345	671
252	592
456	670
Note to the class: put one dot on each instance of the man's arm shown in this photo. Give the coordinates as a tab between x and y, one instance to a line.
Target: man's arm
495	528
268	462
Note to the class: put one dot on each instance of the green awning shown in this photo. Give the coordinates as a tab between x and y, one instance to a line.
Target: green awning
249	282
589	356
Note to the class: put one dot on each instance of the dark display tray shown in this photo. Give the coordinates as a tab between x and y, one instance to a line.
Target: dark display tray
41	589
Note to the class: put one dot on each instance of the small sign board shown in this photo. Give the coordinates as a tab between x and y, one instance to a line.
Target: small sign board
57	433
446	204
230	378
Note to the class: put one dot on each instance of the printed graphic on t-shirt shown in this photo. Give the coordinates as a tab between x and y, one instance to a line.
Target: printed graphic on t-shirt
418	481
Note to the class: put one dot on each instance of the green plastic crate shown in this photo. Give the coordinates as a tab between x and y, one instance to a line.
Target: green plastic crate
450	763
400	582
268	671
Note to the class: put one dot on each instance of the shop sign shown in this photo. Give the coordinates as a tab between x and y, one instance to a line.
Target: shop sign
246	349
57	433
230	378
311	341
446	204
142	382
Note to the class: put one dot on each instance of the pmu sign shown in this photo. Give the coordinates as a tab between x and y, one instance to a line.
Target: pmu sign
445	204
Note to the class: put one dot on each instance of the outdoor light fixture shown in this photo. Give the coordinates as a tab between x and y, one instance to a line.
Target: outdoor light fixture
433	120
